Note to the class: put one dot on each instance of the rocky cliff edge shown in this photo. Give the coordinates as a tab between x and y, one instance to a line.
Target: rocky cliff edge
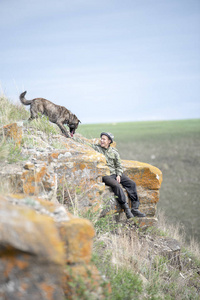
43	246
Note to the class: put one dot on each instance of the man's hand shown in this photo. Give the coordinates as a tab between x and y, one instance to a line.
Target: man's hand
118	178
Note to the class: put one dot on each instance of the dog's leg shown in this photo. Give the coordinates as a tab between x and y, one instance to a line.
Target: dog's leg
62	128
34	114
32	118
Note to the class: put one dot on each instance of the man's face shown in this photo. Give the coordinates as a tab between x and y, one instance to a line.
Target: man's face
104	141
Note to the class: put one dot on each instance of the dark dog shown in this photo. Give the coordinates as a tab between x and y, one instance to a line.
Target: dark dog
57	114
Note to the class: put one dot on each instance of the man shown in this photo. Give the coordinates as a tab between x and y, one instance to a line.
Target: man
117	177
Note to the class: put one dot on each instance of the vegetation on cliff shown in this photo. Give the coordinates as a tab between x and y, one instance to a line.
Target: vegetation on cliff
134	261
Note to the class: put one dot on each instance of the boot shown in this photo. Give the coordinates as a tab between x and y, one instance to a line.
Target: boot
127	210
137	213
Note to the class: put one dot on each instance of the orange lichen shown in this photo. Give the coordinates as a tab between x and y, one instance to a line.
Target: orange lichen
35	233
13	131
32	180
77	235
11	261
48	290
54	155
82	166
143	174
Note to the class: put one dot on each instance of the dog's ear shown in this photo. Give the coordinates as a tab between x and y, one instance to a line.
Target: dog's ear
79	121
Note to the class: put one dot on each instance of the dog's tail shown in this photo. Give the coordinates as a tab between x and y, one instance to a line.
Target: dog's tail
23	99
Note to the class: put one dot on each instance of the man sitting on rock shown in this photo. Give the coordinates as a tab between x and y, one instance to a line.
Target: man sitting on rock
117	177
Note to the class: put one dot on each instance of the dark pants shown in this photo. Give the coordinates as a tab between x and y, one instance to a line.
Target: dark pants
128	184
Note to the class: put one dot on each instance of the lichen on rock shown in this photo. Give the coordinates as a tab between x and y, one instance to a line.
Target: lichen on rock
38	235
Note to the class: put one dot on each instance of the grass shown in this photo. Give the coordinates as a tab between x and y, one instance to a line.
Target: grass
10	152
173	147
42	124
10	112
134	271
120	251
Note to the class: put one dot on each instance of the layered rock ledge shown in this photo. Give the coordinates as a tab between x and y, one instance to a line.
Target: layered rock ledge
72	174
43	247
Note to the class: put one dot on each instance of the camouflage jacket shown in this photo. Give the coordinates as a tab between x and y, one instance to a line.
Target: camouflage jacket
112	158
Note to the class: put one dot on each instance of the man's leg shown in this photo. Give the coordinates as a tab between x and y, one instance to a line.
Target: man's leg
117	190
130	187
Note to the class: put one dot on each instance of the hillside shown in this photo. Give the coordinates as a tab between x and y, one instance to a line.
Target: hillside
127	260
173	147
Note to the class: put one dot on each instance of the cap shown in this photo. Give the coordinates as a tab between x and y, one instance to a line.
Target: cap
109	135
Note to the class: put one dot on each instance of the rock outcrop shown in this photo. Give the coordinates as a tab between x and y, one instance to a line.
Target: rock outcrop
72	174
43	247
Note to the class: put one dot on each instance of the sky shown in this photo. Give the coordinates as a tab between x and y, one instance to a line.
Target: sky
105	60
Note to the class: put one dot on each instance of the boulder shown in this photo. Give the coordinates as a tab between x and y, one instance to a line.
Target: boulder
31	254
143	174
43	248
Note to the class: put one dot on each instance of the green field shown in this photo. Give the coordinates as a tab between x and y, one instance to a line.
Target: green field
173	147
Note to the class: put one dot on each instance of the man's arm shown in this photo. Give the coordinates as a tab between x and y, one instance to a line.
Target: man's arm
82	141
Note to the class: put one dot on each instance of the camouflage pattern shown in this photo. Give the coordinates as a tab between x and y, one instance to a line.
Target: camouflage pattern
112	158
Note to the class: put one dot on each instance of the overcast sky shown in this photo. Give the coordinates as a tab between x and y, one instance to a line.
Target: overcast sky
105	60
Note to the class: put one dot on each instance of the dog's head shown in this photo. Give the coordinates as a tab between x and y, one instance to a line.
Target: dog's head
73	124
